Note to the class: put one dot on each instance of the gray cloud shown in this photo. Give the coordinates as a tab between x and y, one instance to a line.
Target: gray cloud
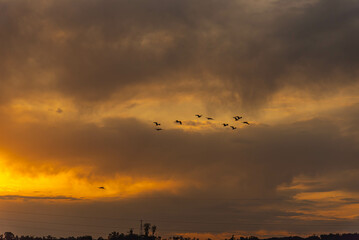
98	48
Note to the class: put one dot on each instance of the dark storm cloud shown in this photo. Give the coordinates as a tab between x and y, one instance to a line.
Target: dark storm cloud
95	48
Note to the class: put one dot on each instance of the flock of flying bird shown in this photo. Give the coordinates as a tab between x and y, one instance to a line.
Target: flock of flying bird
157	124
236	118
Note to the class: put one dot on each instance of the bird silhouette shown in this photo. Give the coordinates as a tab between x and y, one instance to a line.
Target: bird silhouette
102	188
178	121
159	129
197	115
225	124
246	123
233	127
157	124
236	118
209	118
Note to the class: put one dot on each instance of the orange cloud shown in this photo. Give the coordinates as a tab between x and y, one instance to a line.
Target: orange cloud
76	182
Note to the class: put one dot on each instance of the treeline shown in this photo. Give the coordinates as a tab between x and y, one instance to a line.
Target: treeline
331	236
152	236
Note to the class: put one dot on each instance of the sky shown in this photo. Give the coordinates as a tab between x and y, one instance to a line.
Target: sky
82	81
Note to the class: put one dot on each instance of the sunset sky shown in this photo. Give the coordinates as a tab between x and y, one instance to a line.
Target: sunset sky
82	81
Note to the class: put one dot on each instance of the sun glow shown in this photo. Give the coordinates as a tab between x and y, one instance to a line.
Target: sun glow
73	184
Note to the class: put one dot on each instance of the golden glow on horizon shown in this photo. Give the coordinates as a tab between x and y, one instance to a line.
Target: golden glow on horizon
75	183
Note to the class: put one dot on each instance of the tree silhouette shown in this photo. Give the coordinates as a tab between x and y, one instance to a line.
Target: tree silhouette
147	227
114	236
9	236
154	228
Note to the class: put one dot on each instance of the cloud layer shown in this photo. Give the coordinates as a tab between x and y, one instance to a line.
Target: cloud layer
253	49
82	81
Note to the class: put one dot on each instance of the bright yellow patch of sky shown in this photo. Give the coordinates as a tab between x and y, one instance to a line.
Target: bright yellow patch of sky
75	183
